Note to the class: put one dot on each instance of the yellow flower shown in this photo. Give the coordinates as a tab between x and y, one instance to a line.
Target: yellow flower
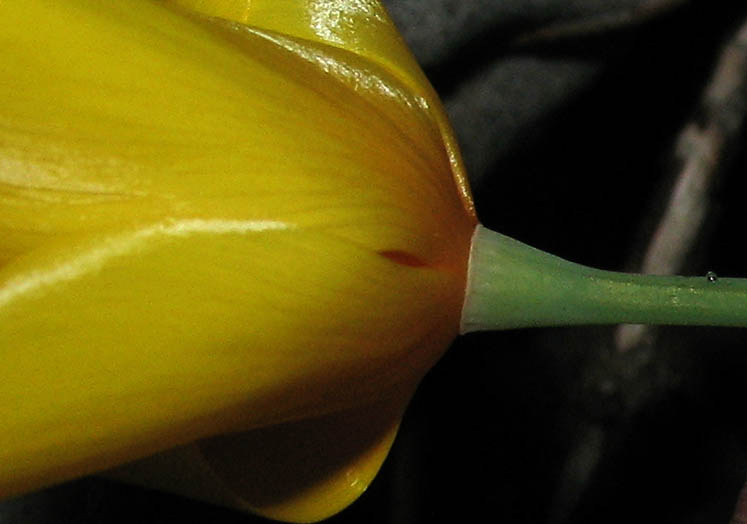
216	217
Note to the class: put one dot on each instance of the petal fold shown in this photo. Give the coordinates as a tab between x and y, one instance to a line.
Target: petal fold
362	27
310	469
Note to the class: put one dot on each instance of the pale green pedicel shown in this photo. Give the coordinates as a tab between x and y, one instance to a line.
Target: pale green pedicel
512	285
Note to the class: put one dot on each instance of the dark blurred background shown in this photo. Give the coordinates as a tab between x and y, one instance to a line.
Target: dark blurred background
579	121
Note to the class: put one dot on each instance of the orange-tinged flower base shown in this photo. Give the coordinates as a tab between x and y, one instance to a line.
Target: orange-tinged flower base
217	217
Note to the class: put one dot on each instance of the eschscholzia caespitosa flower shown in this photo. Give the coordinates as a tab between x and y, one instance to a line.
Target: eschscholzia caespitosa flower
215	217
241	229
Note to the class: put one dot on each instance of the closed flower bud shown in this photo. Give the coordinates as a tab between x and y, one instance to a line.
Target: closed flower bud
215	218
234	236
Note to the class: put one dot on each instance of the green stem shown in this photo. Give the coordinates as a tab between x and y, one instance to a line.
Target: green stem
512	285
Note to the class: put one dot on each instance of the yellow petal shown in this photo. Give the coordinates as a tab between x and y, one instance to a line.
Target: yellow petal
207	227
362	27
141	113
120	347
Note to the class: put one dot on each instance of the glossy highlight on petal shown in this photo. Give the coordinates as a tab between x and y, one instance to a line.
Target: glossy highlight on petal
219	220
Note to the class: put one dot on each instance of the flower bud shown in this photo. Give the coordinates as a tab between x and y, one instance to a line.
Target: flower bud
220	217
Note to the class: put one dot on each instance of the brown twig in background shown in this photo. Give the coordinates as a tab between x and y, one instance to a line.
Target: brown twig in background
740	512
602	22
699	152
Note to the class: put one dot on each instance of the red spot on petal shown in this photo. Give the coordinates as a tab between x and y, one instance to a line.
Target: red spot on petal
403	258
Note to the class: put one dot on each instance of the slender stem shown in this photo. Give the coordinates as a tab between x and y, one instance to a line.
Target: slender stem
512	285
